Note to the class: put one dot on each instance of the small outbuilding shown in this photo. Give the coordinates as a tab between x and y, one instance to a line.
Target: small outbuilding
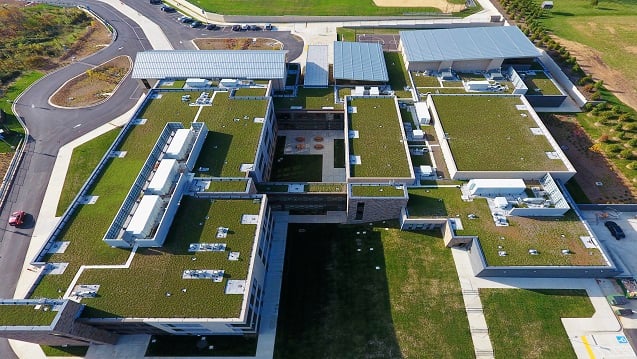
496	187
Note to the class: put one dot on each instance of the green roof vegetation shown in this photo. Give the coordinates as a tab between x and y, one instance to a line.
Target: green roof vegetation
338	300
380	142
83	161
421	80
266	187
309	99
160	269
540	84
90	222
23	314
233	135
228	186
247	91
377	191
177	84
397	73
532	327
325	187
548	235
479	127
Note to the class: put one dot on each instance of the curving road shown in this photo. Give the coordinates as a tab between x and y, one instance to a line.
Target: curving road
50	127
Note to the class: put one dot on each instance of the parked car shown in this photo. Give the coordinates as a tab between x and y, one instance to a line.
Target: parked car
185	19
211	27
615	230
155	2
254	28
268	27
245	27
166	8
17	218
236	27
195	24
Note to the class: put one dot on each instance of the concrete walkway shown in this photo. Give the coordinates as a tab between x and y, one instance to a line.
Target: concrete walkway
597	337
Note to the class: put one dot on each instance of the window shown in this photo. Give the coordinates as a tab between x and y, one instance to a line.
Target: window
360	209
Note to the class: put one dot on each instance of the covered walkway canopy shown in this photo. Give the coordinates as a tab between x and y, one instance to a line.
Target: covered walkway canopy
317	66
359	61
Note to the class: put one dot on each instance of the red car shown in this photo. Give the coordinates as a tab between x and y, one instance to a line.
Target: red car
17	218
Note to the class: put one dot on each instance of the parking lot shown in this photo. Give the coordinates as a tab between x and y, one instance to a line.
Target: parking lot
623	251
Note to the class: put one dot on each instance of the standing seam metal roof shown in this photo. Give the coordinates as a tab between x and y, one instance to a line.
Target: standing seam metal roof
476	43
251	64
360	61
317	66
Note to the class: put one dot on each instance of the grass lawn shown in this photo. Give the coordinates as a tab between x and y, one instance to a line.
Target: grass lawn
540	84
178	346
531	328
68	351
11	123
90	222
336	304
398	75
230	143
339	153
160	269
310	98
380	143
291	7
377	191
83	161
480	127
610	28
541	233
25	315
295	168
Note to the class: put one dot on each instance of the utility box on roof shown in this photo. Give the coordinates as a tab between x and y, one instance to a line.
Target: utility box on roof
164	177
197	83
145	217
178	148
422	111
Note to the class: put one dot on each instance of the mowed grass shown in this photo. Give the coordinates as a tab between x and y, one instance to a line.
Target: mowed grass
543	234
233	135
295	168
160	269
610	28
6	102
488	133
83	161
24	315
380	143
305	7
90	222
397	73
526	323
336	304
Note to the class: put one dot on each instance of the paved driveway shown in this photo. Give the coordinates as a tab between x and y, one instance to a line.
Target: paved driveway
623	251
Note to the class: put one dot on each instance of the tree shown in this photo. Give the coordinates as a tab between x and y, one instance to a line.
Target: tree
594	3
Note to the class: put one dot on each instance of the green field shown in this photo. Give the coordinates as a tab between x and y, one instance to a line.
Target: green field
335	303
479	127
610	28
14	131
304	7
531	328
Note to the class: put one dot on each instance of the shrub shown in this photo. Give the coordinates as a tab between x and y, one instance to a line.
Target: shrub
632	142
631	127
603	138
627	154
632	166
596	96
599	84
614	148
625	117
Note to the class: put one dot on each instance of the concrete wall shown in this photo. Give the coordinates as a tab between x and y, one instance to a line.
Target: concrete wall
376	208
562	79
475	65
538	212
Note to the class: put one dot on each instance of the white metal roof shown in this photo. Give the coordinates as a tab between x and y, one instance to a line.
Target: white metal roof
422	110
144	215
163	177
498	183
359	61
181	139
317	66
248	64
475	43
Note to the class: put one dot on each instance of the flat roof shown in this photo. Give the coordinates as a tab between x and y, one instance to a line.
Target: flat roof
241	64
378	141
475	43
161	270
317	66
359	61
478	128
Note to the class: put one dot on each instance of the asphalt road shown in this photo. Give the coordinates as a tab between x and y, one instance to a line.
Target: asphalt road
50	127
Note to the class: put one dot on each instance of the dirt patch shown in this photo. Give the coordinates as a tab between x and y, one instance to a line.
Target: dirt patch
590	60
443	5
5	161
93	86
238	43
593	168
